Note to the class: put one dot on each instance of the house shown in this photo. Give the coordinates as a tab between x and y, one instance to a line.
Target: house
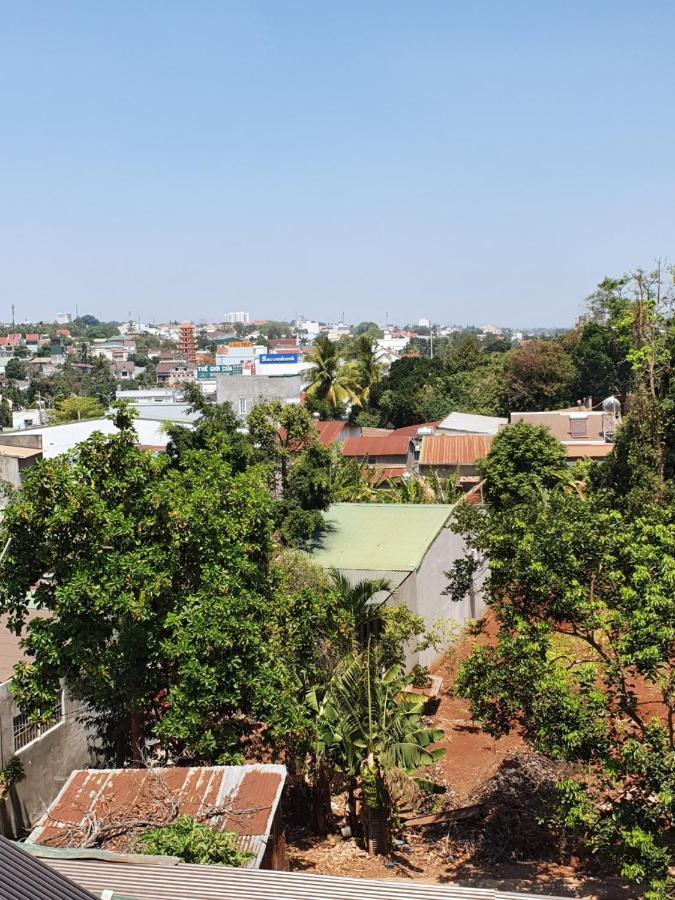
47	753
454	454
124	371
573	424
468	423
40	873
412	546
245	800
174	371
387	452
584	433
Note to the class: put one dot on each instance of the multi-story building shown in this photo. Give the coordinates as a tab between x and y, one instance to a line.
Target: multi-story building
240	316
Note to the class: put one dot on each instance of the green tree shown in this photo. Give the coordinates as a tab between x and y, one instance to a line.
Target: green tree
539	375
582	595
156	581
74	408
523	461
329	379
15	369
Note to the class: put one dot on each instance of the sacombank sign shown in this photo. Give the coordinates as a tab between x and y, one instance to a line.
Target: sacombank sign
273	358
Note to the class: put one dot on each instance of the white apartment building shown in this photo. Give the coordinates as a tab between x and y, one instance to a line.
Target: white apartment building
240	316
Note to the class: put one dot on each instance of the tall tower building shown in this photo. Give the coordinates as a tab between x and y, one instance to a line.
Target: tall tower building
187	342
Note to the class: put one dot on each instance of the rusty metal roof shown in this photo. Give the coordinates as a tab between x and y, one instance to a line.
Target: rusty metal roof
412	430
390	445
246	797
454	449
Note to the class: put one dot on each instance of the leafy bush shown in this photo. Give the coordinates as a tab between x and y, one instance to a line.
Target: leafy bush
193	842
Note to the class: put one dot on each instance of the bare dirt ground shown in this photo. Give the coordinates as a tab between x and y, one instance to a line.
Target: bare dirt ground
432	855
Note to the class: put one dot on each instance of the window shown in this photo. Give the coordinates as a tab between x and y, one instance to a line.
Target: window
242	406
26	731
578	428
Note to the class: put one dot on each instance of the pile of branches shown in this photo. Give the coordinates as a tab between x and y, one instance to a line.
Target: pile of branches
516	804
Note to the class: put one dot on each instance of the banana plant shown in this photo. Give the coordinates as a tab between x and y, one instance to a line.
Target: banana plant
367	724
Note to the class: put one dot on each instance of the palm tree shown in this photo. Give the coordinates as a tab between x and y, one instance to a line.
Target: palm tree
368	725
368	370
328	378
358	601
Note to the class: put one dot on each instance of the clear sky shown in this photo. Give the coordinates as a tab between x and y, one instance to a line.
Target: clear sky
468	161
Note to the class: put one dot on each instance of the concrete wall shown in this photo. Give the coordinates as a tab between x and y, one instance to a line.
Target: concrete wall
47	762
254	389
32	441
430	583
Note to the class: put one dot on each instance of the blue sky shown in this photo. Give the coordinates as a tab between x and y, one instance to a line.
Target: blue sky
469	161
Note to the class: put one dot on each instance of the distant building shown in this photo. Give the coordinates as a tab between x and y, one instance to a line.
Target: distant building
244	393
53	440
174	371
584	433
454	455
187	342
240	316
410	545
424	323
395	453
63	319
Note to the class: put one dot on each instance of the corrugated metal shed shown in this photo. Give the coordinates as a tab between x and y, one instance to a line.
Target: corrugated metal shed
190	882
454	449
249	797
391	445
24	878
385	536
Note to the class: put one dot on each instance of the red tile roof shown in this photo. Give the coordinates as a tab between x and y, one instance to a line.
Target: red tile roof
371	431
391	445
454	449
329	432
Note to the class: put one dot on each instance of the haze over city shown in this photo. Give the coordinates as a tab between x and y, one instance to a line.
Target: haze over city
467	162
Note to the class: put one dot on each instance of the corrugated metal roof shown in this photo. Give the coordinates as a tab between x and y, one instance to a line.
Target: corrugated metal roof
191	882
24	878
454	449
387	536
391	445
249	796
472	424
330	431
411	430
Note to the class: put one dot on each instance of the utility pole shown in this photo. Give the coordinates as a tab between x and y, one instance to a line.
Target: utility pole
12	315
431	339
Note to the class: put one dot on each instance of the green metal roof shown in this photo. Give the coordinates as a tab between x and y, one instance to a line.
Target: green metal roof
391	537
